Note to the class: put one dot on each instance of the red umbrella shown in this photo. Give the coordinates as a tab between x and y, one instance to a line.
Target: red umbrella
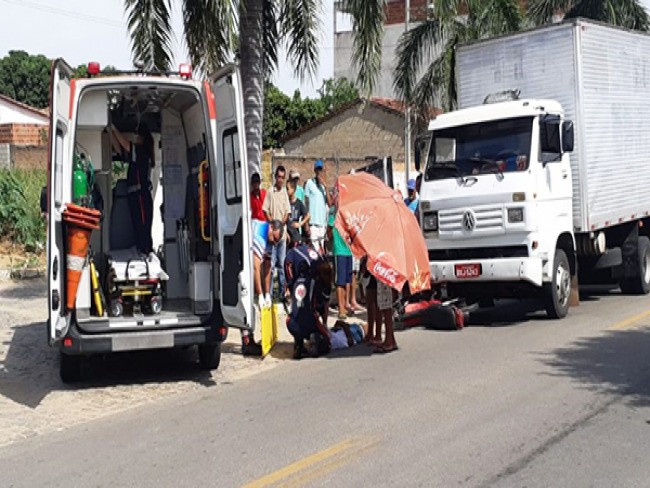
374	220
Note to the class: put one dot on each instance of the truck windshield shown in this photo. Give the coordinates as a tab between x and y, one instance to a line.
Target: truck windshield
498	146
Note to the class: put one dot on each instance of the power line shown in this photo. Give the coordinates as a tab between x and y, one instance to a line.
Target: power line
66	13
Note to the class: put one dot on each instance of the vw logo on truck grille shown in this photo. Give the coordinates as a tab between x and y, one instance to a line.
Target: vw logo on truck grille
469	221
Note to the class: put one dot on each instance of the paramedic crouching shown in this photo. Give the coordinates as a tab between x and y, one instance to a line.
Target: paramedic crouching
137	177
309	277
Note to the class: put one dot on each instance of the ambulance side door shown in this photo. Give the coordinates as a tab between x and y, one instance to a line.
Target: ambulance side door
233	205
61	91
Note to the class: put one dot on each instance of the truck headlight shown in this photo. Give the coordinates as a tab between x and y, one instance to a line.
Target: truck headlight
515	215
430	221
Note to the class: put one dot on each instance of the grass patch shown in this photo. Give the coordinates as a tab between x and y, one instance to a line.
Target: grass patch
20	216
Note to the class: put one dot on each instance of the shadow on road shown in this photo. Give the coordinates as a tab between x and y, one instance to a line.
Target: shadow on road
617	362
30	369
507	313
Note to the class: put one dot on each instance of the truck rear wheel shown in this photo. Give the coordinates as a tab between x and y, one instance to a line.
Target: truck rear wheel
557	293
209	356
640	284
70	368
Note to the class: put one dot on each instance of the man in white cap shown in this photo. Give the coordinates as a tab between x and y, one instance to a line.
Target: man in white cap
300	191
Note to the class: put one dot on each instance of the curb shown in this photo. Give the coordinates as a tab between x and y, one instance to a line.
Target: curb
7	274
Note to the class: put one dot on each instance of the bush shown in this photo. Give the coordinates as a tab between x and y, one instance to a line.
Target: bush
20	214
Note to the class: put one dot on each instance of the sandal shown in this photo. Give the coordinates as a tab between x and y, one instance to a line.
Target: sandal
384	350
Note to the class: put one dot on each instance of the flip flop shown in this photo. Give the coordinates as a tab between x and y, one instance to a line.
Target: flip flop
382	350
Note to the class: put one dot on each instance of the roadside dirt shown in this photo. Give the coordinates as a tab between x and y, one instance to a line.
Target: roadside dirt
33	400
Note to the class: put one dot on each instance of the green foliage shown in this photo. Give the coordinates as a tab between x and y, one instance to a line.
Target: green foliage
623	13
284	114
20	217
25	78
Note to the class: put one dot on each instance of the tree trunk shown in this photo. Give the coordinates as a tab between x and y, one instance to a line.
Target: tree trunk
252	72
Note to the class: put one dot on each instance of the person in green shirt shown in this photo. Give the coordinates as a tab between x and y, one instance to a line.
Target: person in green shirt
343	264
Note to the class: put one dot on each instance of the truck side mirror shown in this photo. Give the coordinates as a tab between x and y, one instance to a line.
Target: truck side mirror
567	136
550	134
418	154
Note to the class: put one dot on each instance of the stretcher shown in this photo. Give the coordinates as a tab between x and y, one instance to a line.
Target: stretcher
134	283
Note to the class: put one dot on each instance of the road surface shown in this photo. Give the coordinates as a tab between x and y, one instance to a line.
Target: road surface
513	400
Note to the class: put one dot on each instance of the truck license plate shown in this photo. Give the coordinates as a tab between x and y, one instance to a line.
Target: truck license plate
467	270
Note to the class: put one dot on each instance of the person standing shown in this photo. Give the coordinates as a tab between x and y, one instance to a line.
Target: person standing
343	268
258	195
300	191
385	309
412	200
318	201
299	220
277	207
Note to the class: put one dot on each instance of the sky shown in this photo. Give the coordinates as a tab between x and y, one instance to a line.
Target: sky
95	30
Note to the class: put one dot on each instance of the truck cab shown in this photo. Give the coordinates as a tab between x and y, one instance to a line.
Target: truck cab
200	226
496	201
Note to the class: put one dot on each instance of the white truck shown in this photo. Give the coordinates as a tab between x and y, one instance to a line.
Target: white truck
510	205
200	222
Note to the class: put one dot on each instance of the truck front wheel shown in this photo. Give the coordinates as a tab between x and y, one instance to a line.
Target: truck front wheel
640	284
557	293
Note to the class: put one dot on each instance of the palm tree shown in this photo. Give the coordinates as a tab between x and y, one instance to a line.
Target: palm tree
623	13
450	22
215	31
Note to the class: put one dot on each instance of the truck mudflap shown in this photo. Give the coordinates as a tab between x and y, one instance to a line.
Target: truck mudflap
77	343
503	269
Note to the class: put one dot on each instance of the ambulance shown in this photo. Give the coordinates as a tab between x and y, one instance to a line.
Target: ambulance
197	280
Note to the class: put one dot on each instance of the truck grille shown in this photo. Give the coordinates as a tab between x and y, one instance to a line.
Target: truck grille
478	253
486	220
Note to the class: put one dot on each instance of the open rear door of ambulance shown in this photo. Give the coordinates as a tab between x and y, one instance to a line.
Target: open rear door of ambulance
233	205
59	155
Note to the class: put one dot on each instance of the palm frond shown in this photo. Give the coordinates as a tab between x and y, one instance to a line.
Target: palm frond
623	13
413	48
151	33
368	33
300	24
271	37
210	31
496	17
542	11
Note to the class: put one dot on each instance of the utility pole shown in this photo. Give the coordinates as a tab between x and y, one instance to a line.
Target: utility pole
407	111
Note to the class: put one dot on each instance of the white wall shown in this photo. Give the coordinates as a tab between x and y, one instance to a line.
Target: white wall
12	114
344	68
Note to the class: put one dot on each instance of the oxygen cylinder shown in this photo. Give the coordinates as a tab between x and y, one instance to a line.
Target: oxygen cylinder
79	181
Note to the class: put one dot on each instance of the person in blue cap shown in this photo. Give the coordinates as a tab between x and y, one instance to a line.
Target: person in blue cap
318	200
412	200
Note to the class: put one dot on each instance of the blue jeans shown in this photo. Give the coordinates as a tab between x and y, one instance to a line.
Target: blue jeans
278	255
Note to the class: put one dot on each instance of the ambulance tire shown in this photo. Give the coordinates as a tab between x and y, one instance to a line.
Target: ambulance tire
70	368
209	356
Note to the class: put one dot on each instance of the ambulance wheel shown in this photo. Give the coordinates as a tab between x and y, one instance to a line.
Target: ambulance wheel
116	308
209	356
70	368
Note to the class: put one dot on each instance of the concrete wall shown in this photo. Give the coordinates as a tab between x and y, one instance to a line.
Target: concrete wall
355	133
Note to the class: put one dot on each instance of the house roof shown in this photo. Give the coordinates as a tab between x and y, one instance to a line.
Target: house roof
389	105
44	113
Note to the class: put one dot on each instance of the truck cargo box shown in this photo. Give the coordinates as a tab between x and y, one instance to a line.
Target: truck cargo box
601	76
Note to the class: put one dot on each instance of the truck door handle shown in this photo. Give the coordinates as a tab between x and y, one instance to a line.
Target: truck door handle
565	175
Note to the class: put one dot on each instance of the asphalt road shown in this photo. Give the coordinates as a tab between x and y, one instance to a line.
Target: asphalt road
513	400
